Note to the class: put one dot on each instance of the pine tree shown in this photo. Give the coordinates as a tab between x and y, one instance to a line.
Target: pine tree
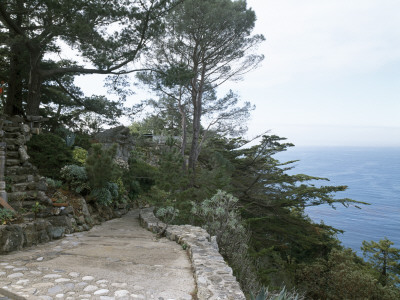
384	258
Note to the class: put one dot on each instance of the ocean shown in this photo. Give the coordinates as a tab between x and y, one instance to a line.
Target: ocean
371	174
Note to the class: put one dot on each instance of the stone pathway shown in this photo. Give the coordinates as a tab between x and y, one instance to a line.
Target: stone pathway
116	260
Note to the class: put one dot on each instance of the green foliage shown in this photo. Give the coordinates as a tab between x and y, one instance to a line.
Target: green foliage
343	275
167	214
140	176
83	140
54	184
221	218
122	192
76	178
104	175
79	25
113	188
49	154
102	196
100	166
284	294
106	195
385	259
37	208
67	135
79	155
6	215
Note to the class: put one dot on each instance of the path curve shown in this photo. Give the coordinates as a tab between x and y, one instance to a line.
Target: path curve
116	260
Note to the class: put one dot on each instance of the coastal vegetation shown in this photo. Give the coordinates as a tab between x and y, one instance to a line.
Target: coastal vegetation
203	171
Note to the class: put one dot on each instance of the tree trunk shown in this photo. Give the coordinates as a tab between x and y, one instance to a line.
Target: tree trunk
35	83
13	105
197	99
184	132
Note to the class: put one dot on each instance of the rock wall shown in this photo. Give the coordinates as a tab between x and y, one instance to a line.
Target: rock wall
214	278
23	184
80	217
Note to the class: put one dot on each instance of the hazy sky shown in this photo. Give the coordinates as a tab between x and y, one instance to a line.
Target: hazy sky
331	76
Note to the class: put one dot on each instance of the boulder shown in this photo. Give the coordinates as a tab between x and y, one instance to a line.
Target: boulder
11	238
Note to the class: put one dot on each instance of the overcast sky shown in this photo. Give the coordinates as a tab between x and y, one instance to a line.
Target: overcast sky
331	76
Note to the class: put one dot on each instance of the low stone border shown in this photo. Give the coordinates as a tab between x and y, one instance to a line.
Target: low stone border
214	278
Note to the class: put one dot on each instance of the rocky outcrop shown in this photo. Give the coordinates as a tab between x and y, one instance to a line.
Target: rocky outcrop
119	135
214	278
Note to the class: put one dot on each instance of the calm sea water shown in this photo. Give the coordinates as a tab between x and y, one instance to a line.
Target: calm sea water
371	174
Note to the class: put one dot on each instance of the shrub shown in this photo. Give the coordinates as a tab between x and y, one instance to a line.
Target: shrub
79	156
222	219
284	294
122	192
102	196
75	177
49	153
139	177
100	166
55	184
6	215
113	188
102	171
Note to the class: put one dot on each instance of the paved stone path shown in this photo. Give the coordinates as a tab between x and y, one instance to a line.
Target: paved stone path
116	260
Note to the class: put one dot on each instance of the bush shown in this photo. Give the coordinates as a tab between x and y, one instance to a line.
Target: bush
113	188
100	166
139	177
6	215
284	294
222	219
102	196
49	153
79	156
76	178
54	184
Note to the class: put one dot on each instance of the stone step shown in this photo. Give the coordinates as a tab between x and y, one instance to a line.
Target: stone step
12	170
11	128
29	195
17	141
12	135
12	162
21	170
12	154
12	147
21	187
21	178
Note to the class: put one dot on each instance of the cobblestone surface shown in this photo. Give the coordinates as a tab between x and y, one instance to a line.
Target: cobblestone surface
117	260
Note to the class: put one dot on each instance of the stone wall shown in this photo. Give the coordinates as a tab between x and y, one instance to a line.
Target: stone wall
214	278
80	217
22	182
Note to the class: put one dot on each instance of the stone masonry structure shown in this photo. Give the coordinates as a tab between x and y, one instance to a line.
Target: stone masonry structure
22	183
214	278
